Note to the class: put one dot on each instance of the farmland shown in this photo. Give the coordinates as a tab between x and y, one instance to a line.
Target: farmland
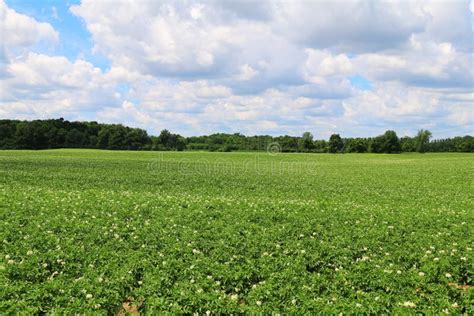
108	232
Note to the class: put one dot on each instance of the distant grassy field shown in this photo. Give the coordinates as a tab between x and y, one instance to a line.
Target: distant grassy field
108	232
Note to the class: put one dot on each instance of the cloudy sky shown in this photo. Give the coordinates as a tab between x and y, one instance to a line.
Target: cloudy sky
198	67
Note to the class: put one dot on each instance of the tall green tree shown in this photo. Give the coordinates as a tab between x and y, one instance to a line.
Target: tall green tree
74	139
391	143
306	142
335	143
422	140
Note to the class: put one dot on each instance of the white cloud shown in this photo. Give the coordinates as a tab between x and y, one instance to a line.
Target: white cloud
421	63
155	38
246	73
20	32
51	85
322	65
353	26
266	67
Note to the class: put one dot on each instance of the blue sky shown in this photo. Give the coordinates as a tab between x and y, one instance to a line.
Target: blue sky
264	67
75	41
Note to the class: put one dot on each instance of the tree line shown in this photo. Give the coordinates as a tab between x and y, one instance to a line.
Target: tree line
60	133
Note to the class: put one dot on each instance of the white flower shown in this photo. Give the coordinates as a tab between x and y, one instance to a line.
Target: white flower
293	301
29	253
463	258
358	305
421	274
7	257
399	272
89	296
408	304
436	259
259	303
448	275
234	297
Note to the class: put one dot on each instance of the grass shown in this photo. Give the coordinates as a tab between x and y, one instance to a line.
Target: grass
86	231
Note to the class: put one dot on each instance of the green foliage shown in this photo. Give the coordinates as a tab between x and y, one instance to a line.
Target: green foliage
59	133
421	140
356	145
407	144
87	231
335	143
387	143
306	142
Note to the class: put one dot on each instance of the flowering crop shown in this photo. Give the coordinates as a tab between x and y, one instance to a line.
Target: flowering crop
87	231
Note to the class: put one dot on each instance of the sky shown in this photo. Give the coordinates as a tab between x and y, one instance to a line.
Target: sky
356	68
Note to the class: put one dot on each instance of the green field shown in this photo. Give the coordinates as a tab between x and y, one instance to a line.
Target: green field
98	231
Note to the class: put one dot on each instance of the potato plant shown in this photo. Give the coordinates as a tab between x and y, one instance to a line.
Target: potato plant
99	232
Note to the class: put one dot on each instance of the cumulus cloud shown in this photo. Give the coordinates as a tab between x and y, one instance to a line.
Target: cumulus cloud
261	67
46	86
322	65
246	73
421	63
352	26
20	32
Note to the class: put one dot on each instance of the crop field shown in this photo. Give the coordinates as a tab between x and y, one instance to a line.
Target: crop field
87	231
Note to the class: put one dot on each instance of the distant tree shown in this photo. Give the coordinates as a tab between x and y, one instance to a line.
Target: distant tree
164	138
321	146
170	141
335	143
58	133
103	138
407	144
24	136
306	142
422	139
287	143
375	144
357	145
390	143
74	139
136	139
176	142
117	137
7	134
